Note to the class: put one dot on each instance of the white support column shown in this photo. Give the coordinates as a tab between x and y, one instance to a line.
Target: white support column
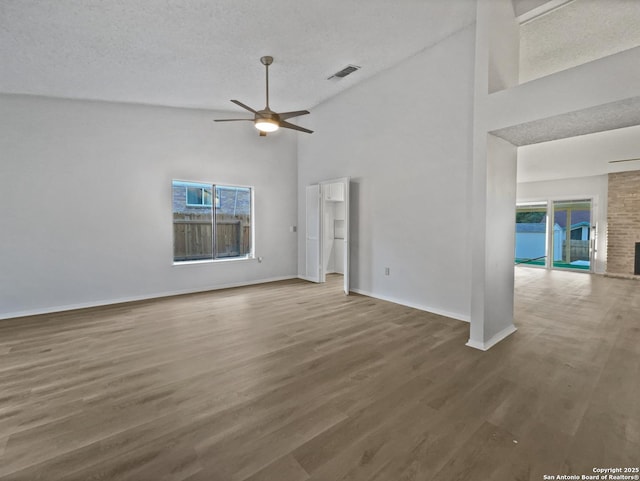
494	244
494	180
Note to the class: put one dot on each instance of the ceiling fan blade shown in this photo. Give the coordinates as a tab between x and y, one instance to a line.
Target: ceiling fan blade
288	115
623	160
246	107
231	120
287	125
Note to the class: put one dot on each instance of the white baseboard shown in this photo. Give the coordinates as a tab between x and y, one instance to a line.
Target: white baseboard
107	302
306	278
485	346
421	307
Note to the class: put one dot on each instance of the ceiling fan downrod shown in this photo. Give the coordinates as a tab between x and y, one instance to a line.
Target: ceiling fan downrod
266	61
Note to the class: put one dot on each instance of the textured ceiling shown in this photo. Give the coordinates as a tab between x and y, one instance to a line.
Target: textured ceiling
521	7
201	53
576	33
611	116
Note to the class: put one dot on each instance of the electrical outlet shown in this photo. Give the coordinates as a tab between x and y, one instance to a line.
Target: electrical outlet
387	271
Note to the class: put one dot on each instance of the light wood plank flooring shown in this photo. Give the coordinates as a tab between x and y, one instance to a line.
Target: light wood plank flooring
293	381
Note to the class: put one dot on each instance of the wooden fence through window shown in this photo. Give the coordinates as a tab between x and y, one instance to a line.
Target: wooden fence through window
193	234
579	250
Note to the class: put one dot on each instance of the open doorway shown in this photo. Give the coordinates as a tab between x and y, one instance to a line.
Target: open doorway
327	231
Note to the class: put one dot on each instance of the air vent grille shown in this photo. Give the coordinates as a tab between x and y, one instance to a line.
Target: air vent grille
349	69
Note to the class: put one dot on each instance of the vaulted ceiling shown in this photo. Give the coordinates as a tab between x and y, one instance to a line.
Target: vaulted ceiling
201	53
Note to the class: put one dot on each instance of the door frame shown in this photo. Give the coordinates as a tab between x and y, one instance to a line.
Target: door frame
322	186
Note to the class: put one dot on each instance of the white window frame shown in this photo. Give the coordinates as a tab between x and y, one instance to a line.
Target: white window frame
252	247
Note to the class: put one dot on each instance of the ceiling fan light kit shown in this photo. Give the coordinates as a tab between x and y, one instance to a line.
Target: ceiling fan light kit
266	120
267	125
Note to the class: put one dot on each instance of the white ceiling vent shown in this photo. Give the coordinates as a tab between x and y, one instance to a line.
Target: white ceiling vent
349	69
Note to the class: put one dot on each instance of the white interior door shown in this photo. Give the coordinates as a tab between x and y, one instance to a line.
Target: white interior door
313	260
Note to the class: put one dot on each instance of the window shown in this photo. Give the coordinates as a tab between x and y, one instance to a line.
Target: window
207	229
199	196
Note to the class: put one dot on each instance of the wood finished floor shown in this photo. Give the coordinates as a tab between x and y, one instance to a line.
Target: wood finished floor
293	381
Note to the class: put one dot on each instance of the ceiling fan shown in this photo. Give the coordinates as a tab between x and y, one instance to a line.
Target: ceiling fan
266	120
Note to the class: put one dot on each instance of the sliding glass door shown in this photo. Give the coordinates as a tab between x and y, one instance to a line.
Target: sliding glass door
572	234
531	234
555	234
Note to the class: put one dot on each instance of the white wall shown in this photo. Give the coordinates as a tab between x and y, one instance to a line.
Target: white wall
593	187
504	46
85	202
404	138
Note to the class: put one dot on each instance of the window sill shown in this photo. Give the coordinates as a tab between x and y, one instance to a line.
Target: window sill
215	261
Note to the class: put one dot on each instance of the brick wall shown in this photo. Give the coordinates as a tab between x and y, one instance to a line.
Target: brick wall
623	219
